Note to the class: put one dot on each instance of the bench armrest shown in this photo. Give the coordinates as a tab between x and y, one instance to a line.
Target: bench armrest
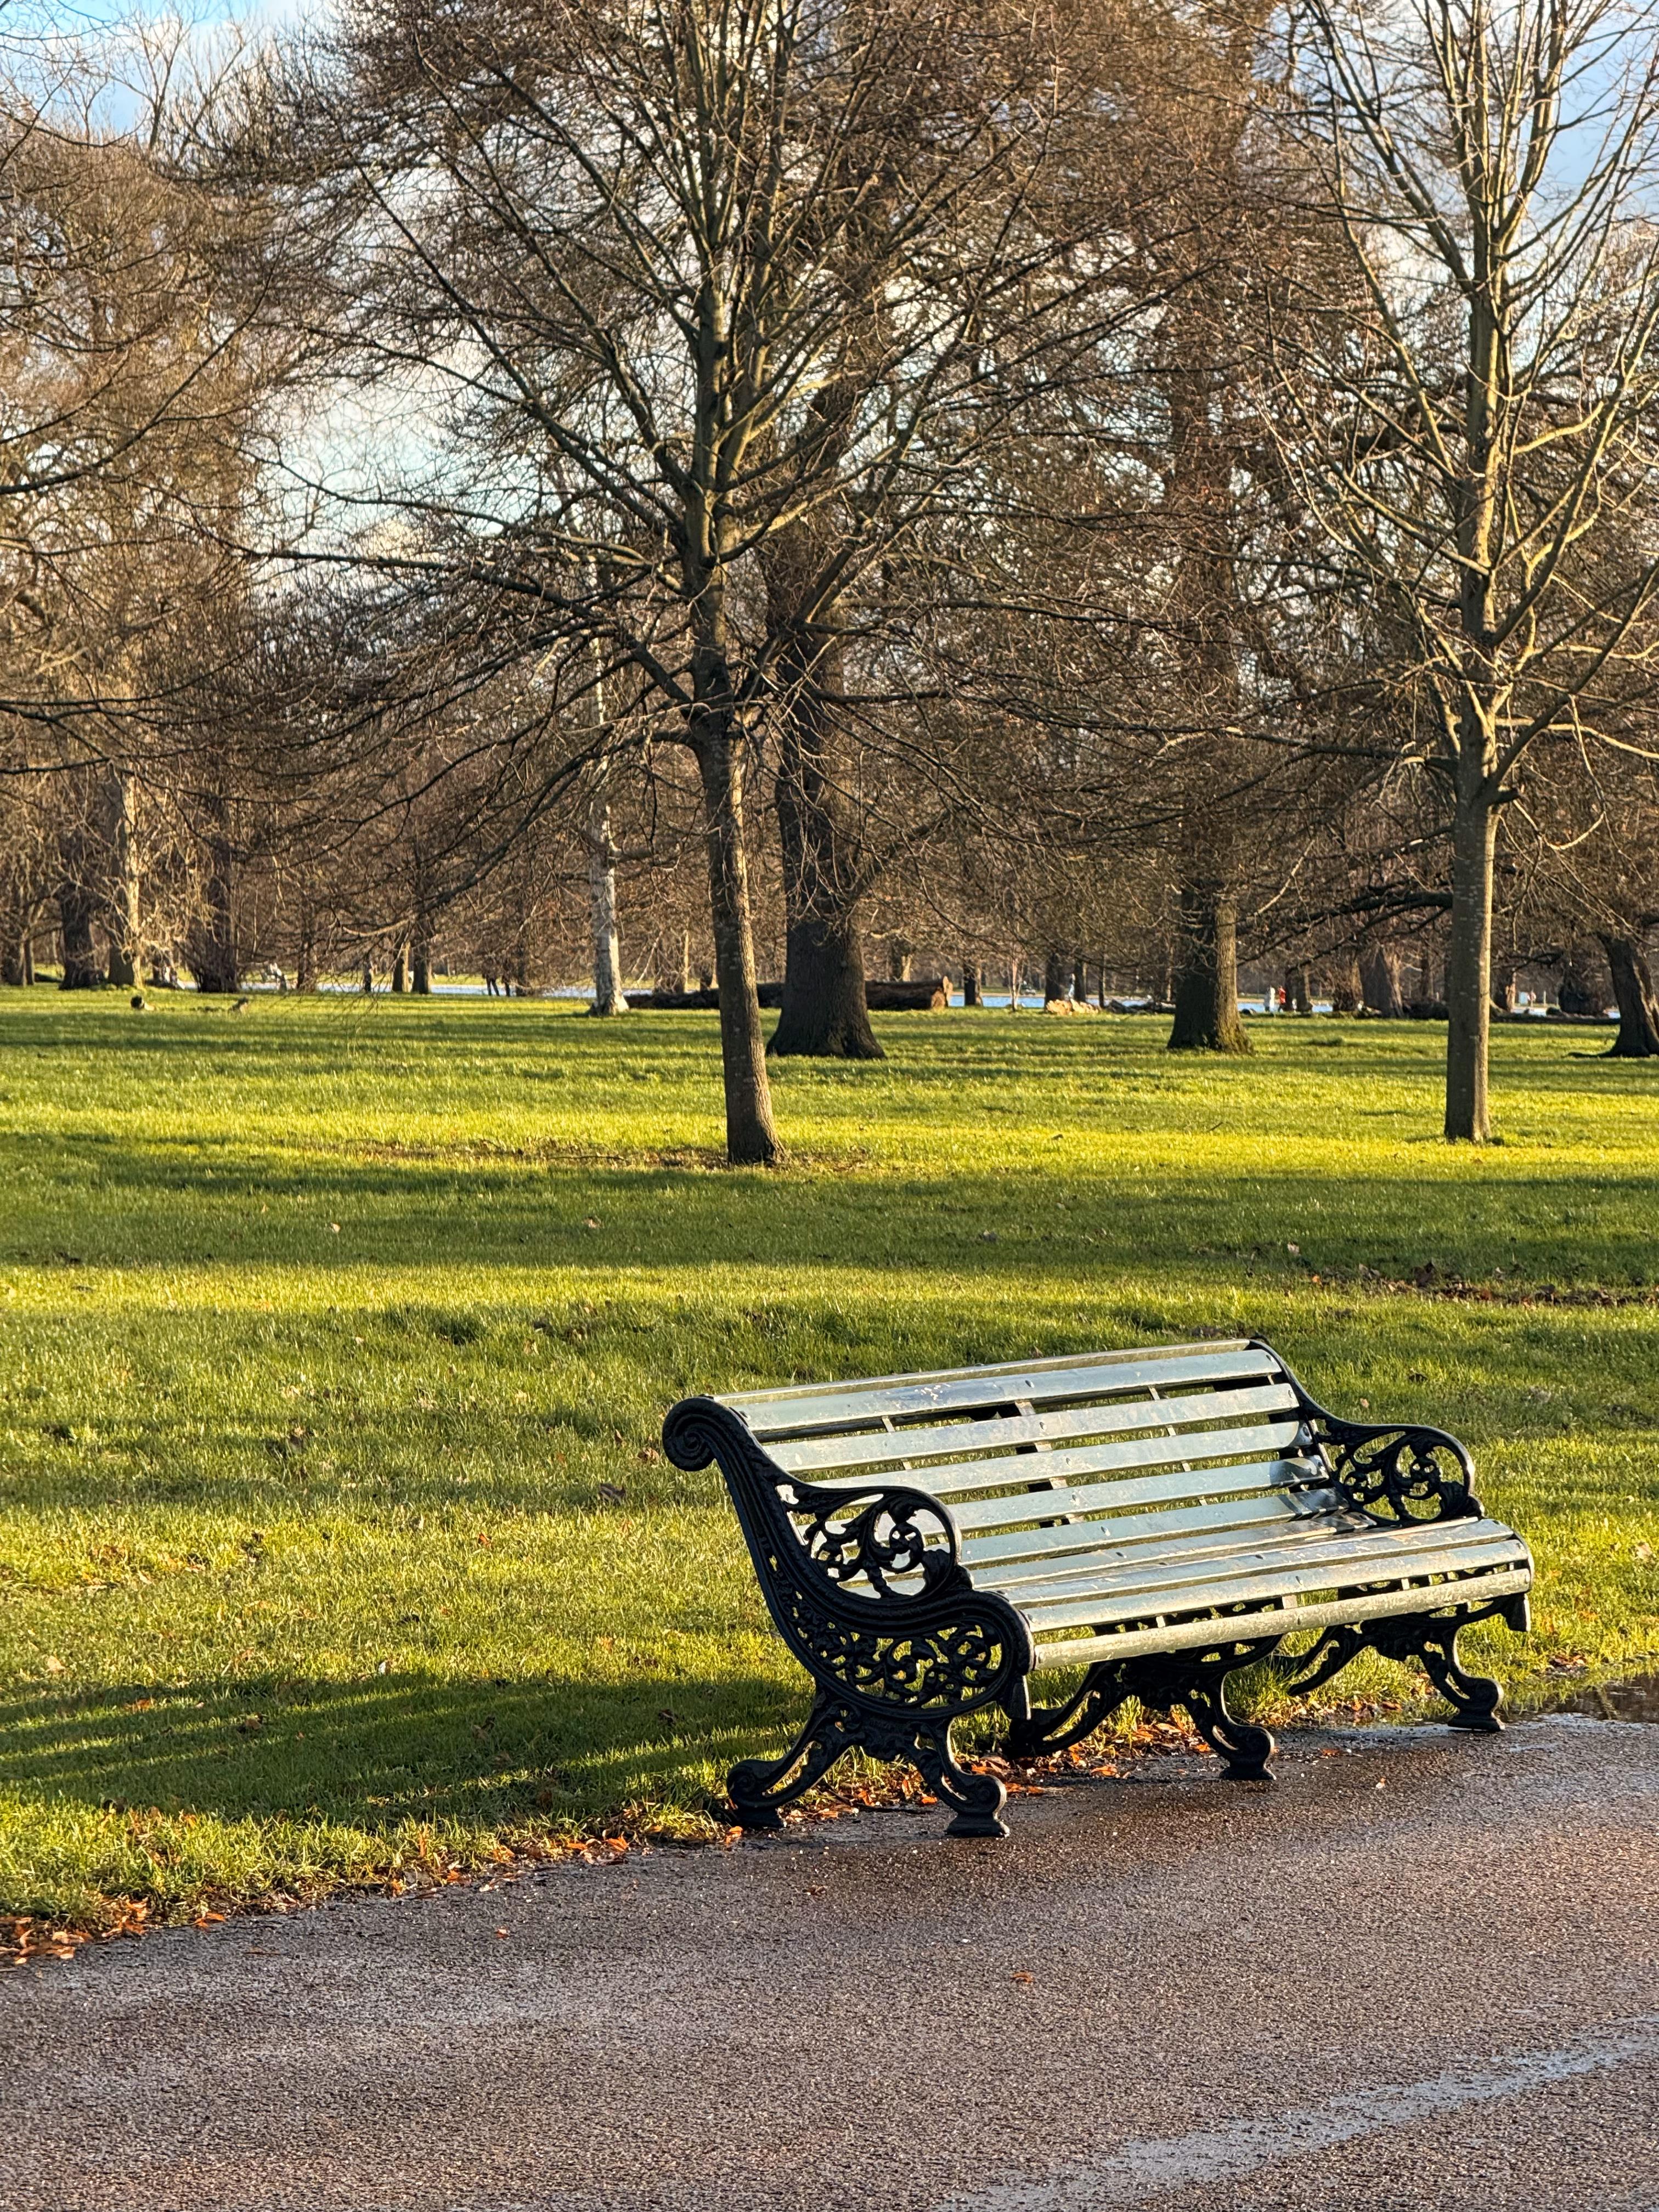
938	1644
1394	1471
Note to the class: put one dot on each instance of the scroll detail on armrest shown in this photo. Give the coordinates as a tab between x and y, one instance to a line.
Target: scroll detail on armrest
1395	1472
938	1644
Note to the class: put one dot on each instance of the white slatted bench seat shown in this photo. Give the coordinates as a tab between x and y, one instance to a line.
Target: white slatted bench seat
1157	1518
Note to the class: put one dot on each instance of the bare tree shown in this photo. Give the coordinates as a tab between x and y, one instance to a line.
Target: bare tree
687	279
1476	434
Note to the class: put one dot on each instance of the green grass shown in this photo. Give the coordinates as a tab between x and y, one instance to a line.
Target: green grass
331	1327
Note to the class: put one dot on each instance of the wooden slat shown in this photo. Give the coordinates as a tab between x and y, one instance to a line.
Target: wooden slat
1114	1417
1140	1490
1277	1506
1136	1604
1167	1575
1087	1565
861	1405
1270	1621
784	1393
1201	1450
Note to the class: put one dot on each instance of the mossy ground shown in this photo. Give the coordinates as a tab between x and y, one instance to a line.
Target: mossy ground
333	1534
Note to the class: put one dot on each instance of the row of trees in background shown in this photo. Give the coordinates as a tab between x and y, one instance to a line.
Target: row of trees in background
1129	483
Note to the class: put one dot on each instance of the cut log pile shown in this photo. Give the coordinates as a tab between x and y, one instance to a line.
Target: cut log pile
927	994
921	994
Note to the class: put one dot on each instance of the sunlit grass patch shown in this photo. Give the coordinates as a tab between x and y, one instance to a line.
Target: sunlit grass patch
333	1531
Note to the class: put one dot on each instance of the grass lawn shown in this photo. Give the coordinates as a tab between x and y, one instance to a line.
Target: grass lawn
333	1534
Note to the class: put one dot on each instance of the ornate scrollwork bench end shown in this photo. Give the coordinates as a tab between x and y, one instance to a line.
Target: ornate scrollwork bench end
897	1658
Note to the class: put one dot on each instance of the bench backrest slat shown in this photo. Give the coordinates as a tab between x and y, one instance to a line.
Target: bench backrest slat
1192	1484
818	1457
1262	1512
867	1404
1203	1450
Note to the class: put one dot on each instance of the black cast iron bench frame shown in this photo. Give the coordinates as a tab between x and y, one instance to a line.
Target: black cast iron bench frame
866	1585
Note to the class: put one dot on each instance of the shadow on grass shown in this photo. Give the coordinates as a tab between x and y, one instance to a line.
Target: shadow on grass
111	1201
378	1754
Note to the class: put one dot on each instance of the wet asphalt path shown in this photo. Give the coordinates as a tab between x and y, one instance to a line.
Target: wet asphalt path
1439	1992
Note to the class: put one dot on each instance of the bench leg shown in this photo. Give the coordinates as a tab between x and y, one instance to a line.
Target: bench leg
977	1799
1475	1698
760	1788
1246	1747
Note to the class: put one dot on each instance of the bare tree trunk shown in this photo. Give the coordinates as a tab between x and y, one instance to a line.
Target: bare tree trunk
672	963
824	1013
400	970
1346	990
1379	974
973	991
421	960
899	957
1207	1017
368	979
125	914
608	997
305	970
1468	968
1013	985
1298	989
751	1137
1056	978
77	907
1580	991
217	962
1639	1009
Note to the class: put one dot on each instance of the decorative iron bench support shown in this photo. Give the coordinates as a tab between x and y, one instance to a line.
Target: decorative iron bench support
898	1659
1196	1681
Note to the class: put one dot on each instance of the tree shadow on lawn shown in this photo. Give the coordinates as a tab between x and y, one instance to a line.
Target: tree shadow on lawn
125	1203
396	1749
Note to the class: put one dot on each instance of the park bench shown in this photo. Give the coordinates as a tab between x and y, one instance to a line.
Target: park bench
1158	1519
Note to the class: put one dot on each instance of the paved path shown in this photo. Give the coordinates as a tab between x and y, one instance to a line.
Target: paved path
1423	1973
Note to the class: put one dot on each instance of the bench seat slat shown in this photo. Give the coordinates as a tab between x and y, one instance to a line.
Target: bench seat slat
865	1404
1330	1541
1142	1490
1034	1472
1265	1508
1004	1432
1499	1549
1136	1642
1189	1545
